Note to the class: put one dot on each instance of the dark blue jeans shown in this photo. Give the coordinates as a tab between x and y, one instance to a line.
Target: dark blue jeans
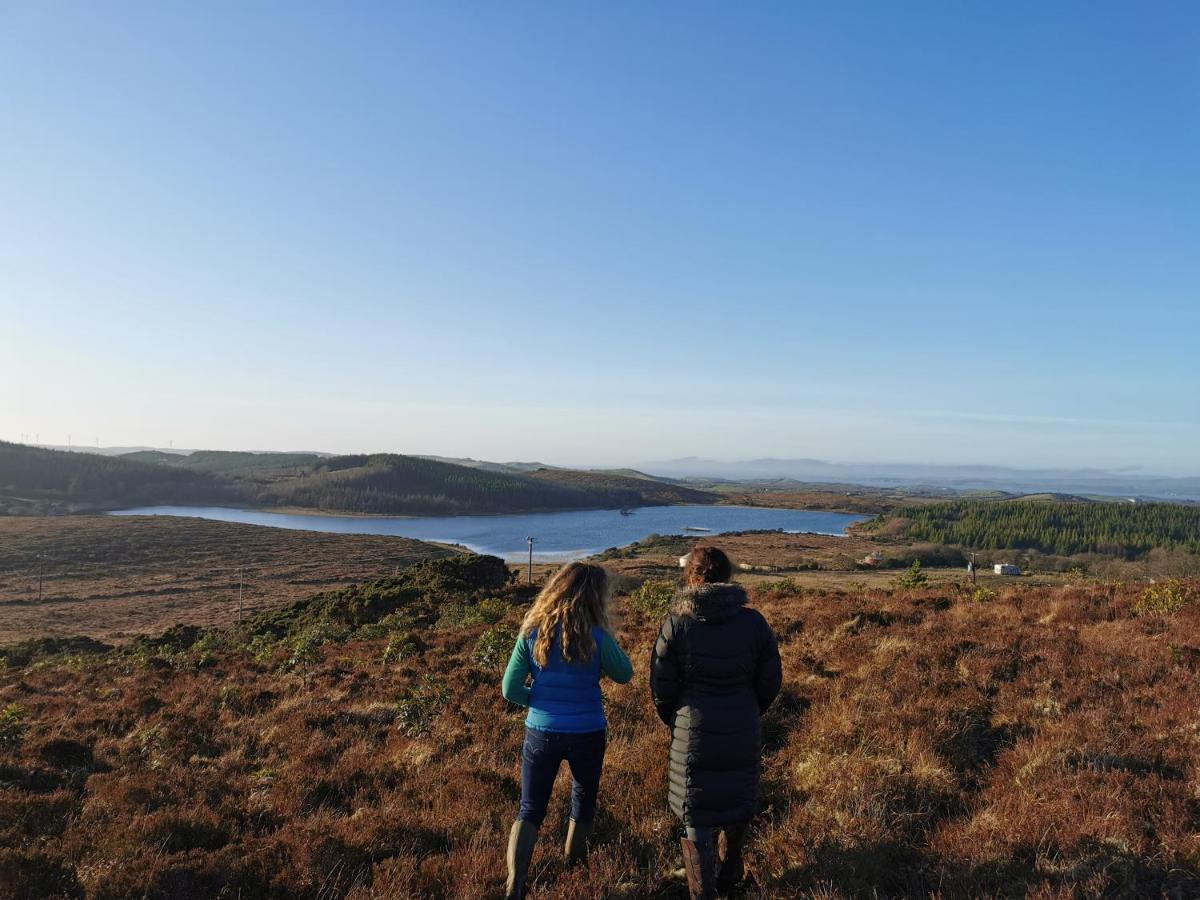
543	754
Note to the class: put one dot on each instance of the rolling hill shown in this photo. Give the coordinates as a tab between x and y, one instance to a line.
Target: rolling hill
225	462
35	480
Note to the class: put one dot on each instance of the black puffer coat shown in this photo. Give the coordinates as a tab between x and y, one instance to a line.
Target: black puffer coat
715	669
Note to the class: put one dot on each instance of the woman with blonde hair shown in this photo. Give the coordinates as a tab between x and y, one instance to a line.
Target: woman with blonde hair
564	647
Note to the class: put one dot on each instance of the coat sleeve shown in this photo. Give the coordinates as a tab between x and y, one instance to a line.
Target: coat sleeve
512	686
768	674
666	675
613	661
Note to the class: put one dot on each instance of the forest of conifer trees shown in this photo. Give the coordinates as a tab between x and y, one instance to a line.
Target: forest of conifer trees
1063	528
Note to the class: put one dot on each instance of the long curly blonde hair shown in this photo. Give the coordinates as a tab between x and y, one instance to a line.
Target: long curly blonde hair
576	599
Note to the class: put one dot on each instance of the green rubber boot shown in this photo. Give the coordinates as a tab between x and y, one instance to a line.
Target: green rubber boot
521	841
577	838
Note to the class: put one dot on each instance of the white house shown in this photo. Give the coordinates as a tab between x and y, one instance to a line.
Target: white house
1007	569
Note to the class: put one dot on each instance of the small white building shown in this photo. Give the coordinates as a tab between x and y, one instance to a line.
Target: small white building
1007	569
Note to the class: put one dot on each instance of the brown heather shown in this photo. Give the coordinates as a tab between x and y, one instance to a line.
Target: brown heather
1043	743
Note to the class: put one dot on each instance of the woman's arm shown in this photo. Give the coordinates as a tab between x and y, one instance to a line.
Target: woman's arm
666	676
513	686
613	661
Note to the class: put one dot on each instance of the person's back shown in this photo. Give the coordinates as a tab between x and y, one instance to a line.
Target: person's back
564	648
566	696
715	669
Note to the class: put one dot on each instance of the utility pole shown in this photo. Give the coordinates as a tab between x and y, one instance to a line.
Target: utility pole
972	567
530	576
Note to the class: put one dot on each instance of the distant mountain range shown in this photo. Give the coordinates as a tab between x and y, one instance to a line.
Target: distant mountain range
1114	483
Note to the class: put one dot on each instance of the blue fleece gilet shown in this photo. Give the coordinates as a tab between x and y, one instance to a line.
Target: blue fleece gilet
566	697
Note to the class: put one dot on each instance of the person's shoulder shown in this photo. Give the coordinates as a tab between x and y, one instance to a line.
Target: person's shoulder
754	618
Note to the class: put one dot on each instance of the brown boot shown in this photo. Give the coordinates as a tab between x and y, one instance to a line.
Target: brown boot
730	869
700	863
577	838
521	841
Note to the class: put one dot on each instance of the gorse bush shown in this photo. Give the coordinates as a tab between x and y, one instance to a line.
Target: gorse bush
488	611
494	647
653	598
403	646
1164	599
784	587
12	727
419	706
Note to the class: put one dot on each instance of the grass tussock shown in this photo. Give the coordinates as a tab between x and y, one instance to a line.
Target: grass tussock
1042	743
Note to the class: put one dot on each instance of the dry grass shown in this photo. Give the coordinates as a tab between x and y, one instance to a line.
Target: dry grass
1042	743
113	577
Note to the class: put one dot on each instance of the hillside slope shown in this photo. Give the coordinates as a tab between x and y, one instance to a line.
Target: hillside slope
408	485
36	480
111	577
226	462
1036	743
627	490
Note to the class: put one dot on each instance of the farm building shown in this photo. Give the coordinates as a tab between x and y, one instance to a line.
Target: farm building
1007	569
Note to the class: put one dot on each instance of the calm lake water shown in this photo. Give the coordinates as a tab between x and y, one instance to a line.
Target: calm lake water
557	535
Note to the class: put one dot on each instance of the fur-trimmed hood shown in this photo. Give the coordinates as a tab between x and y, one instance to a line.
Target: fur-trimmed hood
709	602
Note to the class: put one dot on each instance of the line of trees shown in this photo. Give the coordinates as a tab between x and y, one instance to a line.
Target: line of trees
1064	528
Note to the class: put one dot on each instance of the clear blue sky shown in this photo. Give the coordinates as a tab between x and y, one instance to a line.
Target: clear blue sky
606	233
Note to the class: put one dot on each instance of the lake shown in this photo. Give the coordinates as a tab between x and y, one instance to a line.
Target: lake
558	536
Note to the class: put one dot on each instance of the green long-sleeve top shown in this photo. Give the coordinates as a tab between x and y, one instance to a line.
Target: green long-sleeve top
614	664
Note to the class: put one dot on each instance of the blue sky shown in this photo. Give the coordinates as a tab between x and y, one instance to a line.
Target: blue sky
606	233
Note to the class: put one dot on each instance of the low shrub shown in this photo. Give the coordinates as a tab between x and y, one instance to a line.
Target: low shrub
12	727
494	647
1164	599
653	598
418	707
403	646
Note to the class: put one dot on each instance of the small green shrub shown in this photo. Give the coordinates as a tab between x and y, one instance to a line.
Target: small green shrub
400	647
488	611
418	707
785	587
262	648
983	595
450	617
305	649
12	727
913	578
653	598
1164	599
494	646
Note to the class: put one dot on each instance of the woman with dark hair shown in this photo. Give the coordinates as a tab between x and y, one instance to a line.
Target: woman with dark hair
714	671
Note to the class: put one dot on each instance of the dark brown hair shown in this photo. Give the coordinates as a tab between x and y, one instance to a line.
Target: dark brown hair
707	565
